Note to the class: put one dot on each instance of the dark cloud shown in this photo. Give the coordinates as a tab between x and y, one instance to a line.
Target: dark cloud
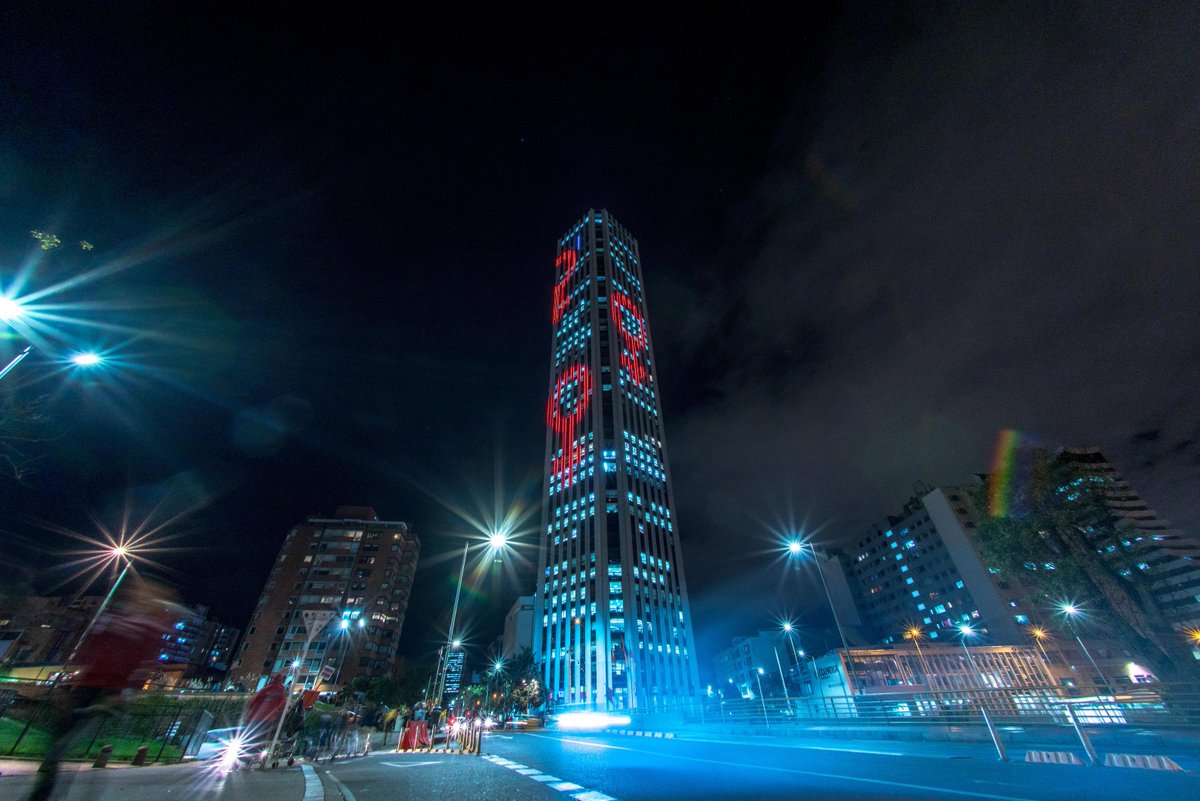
985	221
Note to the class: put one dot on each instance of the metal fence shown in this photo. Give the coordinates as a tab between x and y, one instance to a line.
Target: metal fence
1155	705
168	723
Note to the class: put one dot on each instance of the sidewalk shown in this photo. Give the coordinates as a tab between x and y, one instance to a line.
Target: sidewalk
193	781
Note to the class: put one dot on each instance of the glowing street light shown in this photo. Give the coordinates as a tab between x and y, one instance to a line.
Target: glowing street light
1069	612
497	542
86	359
788	628
10	310
965	630
796	547
916	634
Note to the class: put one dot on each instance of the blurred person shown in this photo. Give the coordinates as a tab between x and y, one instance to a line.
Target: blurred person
263	712
116	657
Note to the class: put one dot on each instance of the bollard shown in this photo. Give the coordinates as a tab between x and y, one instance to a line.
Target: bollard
139	758
103	757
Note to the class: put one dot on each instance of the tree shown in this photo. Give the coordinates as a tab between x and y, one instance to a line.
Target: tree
23	421
384	690
1060	538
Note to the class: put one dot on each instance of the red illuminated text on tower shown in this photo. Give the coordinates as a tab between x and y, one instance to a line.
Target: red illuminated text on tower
566	407
562	299
632	329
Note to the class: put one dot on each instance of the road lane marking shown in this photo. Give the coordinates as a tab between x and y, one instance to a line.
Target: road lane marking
550	781
592	795
411	764
349	796
864	780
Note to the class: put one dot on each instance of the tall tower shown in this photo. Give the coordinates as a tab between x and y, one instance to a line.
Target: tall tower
612	624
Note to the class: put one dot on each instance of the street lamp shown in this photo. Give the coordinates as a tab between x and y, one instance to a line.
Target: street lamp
966	631
916	634
11	310
86	359
788	628
796	548
1039	634
758	678
118	555
1069	612
497	542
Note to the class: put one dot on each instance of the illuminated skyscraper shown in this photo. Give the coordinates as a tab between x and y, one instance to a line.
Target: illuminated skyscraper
612	624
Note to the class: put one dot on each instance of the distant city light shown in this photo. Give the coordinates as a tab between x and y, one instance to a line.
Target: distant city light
966	631
344	624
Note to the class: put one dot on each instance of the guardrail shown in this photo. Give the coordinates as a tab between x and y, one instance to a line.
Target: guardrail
164	720
1145	705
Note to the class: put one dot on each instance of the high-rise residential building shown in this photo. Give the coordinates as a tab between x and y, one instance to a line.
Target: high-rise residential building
353	565
1146	543
196	645
612	623
923	568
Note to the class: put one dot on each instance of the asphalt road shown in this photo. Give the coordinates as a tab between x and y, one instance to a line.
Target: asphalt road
549	766
557	766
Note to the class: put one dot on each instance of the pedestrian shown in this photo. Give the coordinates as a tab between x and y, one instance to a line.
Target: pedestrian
262	717
117	656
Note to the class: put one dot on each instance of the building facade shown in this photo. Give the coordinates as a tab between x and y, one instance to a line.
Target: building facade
196	646
923	568
355	566
1146	542
43	630
767	660
612	622
518	628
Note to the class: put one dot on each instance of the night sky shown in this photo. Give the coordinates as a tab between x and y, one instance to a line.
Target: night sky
323	244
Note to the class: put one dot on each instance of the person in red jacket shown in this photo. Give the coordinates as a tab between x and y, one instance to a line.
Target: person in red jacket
262	716
117	656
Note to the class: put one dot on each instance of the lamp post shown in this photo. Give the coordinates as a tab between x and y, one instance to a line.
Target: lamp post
1069	612
16	360
796	548
497	542
344	629
1038	633
966	631
119	554
788	628
758	677
782	678
916	634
